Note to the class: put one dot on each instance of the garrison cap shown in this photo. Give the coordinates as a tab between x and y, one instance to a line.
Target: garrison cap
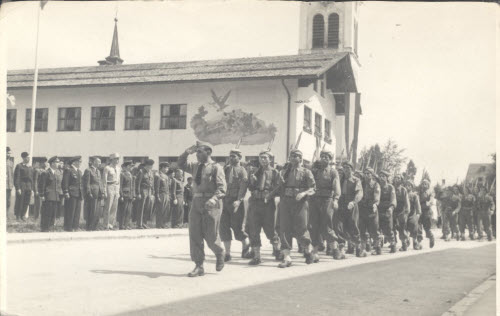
149	162
370	171
348	164
54	159
24	154
326	152
235	151
163	165
266	152
385	173
296	152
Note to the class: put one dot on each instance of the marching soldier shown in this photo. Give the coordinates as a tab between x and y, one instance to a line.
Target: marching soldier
177	211
127	196
50	194
204	218
233	211
298	183
401	211
426	197
387	205
451	206
466	215
72	187
368	210
414	214
145	193
111	180
324	203
93	192
162	195
485	207
23	182
9	165
263	185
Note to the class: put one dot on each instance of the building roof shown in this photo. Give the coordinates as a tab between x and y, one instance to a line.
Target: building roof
292	66
480	170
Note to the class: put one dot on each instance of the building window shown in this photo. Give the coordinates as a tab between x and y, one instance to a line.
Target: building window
171	160
307	119
136	159
69	119
318	35
318	120
41	120
333	30
137	117
173	116
355	37
221	160
328	133
339	104
11	120
103	118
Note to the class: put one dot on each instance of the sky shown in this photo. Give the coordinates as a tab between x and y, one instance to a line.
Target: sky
427	76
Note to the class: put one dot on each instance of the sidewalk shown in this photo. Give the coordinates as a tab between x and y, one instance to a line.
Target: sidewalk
13	238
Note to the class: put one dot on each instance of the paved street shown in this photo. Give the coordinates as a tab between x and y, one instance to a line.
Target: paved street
147	277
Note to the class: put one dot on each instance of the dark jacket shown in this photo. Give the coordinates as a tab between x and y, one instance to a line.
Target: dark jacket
50	185
92	183
23	177
127	185
72	182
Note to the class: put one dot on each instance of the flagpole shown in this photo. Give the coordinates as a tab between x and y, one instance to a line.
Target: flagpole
35	82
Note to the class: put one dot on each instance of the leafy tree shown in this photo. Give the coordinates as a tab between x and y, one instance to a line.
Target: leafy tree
389	157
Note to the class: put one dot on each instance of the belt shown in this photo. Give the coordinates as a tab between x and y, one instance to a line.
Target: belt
324	193
203	194
259	194
292	192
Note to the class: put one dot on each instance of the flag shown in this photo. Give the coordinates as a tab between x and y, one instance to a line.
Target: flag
43	3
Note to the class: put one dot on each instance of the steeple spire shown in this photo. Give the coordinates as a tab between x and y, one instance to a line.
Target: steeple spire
114	54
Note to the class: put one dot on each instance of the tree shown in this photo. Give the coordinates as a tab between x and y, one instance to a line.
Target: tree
388	157
411	171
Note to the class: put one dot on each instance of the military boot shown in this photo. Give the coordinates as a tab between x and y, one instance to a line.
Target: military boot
490	238
245	250
415	244
368	246
256	259
404	245
197	271
342	251
360	251
393	248
431	242
329	249
250	254
219	263
350	248
287	261
462	237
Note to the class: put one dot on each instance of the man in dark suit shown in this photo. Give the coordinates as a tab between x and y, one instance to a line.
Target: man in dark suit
93	191
50	188
72	187
23	181
9	177
38	170
127	196
145	192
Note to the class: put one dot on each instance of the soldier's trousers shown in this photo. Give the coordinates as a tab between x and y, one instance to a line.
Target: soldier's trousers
162	210
35	210
187	208
425	221
368	224
484	222
124	215
321	220
92	211
72	210
232	220
204	225
262	216
346	224
466	219
399	222
450	223
177	212
412	225
293	217
386	225
22	203
48	215
111	205
144	209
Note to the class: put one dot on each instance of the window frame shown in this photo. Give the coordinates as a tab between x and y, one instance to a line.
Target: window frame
316	126
12	123
98	119
27	127
328	132
134	118
78	119
181	119
333	41
318	42
307	129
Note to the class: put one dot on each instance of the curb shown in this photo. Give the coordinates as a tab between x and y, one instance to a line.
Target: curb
20	238
463	305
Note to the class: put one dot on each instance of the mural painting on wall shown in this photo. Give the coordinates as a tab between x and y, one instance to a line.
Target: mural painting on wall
219	122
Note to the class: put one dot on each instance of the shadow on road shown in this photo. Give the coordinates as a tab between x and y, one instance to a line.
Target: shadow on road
235	262
152	275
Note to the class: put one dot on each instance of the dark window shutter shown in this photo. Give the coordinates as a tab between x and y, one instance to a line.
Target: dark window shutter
333	30
318	34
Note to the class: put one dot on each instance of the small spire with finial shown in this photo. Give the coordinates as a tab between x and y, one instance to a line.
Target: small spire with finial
114	54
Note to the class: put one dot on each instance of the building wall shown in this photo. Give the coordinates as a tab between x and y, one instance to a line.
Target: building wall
266	99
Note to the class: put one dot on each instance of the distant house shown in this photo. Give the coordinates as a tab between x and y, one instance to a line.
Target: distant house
480	172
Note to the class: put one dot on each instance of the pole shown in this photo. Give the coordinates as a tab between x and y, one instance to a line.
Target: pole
35	82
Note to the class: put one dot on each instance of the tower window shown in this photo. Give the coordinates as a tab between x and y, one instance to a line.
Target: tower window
333	30
318	35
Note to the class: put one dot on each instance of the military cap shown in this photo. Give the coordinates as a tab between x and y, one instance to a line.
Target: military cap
114	156
236	152
54	159
73	159
348	164
43	159
358	173
370	170
409	182
126	163
203	145
24	154
149	162
296	152
163	165
266	152
385	173
326	152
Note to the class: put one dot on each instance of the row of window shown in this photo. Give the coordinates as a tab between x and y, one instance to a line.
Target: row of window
318	124
137	117
331	39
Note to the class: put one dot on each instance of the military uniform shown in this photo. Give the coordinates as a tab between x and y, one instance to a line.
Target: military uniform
466	216
400	215
93	191
368	213
204	220
111	179
37	176
413	217
126	201
50	190
72	186
145	193
485	207
237	182
387	205
188	198
177	210
426	197
23	181
451	207
163	199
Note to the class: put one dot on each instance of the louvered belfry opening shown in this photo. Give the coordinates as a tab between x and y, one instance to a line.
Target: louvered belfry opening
318	38
333	30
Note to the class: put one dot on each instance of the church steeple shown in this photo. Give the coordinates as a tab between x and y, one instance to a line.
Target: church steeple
114	54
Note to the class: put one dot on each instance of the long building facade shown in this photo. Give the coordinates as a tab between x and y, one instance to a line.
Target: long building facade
157	110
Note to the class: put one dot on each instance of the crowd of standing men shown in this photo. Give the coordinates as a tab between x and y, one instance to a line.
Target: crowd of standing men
355	212
112	196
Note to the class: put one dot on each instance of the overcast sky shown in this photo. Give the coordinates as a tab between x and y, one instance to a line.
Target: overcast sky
427	77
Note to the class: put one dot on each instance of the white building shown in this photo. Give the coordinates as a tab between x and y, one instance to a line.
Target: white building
157	110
